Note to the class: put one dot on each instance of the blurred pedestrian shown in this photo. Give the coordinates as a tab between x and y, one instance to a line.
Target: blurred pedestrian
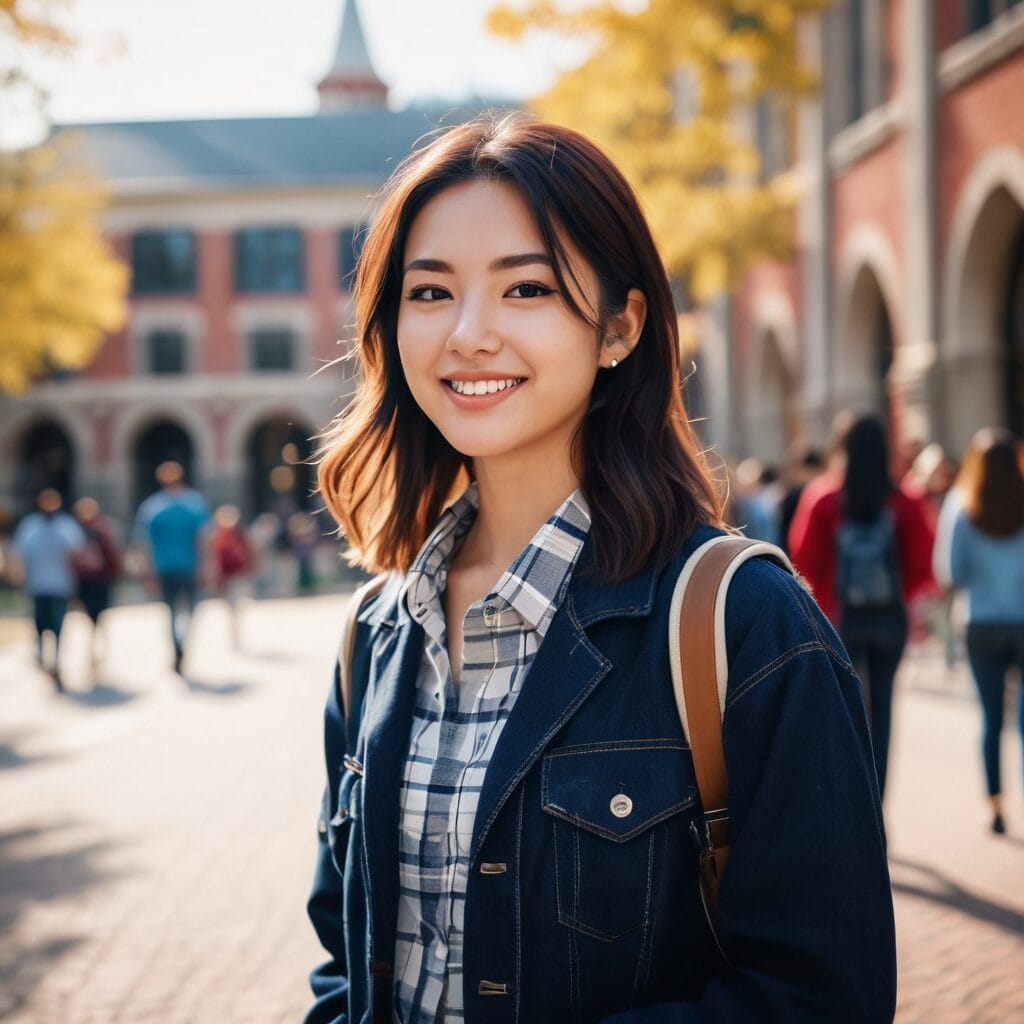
97	565
303	539
170	524
262	541
45	543
866	549
761	492
980	548
232	557
802	467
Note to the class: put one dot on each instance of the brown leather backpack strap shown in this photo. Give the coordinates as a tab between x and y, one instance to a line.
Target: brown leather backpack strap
700	673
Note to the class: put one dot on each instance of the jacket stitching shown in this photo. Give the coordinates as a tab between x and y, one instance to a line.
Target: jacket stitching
759	676
578	750
590	826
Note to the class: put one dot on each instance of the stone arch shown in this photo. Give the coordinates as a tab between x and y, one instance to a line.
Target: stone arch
46	454
159	440
868	310
772	422
279	476
983	336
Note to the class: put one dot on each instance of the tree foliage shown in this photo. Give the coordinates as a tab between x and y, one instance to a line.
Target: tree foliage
61	287
663	91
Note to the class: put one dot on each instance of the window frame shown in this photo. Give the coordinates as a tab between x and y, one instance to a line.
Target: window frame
274	277
141	285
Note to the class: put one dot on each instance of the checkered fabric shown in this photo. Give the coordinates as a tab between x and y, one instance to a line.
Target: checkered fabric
454	733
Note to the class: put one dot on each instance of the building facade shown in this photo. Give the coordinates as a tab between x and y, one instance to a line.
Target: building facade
905	294
241	236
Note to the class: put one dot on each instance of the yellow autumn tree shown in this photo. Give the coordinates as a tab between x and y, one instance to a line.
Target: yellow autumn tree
61	286
667	90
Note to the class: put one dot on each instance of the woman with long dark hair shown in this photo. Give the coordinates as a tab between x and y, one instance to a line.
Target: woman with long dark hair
981	550
865	548
509	820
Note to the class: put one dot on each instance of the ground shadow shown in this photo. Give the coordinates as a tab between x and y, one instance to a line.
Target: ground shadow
32	872
101	695
214	689
11	757
951	894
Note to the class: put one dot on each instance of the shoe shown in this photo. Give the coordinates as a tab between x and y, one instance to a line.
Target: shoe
998	825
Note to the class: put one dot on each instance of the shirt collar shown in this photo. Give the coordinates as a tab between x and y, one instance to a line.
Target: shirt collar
533	585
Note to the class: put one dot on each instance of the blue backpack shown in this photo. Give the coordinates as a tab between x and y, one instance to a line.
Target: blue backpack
867	575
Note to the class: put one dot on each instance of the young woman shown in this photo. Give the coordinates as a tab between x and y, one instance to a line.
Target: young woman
865	548
981	549
506	833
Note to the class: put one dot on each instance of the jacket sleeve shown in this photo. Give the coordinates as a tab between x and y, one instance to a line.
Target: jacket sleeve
805	908
326	902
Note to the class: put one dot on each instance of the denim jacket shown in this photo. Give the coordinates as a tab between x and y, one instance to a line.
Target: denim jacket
576	914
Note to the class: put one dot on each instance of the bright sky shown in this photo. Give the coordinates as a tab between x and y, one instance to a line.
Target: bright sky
210	58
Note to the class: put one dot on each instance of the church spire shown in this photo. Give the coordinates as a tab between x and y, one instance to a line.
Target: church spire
351	80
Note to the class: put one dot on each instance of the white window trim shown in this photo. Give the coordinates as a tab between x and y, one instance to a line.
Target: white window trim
976	53
160	316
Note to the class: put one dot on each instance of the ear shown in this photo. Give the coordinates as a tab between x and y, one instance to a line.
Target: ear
624	329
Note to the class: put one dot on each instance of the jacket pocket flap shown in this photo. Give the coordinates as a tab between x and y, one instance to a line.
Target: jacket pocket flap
617	790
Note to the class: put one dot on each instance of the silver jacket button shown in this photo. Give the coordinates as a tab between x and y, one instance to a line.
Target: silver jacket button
621	805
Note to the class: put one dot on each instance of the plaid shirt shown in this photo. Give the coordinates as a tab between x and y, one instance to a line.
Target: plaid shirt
454	733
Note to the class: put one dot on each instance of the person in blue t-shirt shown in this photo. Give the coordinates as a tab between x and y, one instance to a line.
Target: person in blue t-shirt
170	523
44	544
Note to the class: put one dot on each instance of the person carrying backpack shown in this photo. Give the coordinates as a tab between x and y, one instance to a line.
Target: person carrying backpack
515	822
865	548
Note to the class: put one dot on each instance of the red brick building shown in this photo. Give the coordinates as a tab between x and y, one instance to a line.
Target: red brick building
241	235
906	291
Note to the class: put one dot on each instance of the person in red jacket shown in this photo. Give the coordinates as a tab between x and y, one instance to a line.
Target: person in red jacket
865	548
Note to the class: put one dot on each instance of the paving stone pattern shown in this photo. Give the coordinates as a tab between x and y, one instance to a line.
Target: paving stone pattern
156	838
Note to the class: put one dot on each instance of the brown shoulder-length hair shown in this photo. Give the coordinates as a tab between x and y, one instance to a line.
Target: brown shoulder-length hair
386	472
992	482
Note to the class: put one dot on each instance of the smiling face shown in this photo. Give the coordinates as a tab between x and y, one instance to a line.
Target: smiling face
492	354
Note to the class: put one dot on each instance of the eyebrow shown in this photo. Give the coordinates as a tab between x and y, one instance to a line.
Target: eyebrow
522	259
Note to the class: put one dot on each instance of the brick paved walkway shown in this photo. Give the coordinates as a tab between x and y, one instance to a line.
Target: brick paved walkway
156	839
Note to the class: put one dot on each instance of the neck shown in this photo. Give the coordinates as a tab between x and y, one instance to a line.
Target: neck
514	503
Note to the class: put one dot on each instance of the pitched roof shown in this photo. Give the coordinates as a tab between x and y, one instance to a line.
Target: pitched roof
347	147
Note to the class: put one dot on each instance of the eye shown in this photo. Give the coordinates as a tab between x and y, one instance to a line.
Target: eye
427	293
529	290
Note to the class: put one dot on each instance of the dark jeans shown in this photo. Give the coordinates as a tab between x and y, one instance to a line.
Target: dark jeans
177	589
875	642
49	616
992	648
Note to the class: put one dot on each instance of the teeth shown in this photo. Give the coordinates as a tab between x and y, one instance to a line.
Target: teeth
483	387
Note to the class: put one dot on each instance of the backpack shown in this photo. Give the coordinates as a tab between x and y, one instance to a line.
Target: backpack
867	576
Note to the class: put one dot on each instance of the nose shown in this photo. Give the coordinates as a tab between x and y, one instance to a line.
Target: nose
474	331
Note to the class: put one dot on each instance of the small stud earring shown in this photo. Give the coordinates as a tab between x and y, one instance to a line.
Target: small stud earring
615	363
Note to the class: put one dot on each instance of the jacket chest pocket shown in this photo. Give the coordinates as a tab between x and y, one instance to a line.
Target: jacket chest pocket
608	804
